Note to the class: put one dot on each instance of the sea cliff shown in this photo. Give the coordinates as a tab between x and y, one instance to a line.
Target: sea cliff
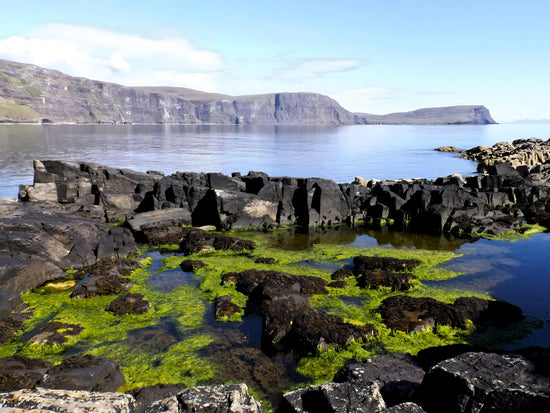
34	94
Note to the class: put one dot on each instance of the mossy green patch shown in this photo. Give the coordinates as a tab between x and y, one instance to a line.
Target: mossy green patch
13	111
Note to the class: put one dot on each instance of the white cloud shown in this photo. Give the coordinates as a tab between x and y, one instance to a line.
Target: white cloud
312	68
117	57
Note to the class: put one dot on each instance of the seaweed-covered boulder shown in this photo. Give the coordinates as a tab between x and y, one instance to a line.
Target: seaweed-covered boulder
341	274
128	304
361	264
224	308
381	278
195	240
409	314
55	332
191	265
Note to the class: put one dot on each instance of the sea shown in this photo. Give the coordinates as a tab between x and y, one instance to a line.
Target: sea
513	271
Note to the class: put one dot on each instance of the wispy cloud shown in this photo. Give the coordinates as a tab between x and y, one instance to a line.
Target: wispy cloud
313	68
118	57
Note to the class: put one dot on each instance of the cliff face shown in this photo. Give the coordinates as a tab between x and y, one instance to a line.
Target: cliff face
30	93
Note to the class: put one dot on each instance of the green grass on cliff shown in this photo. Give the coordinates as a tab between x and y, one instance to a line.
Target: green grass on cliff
12	111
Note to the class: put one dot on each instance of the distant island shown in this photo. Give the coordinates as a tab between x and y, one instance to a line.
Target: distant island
32	94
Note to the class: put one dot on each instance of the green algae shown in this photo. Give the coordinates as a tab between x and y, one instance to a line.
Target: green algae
523	232
183	310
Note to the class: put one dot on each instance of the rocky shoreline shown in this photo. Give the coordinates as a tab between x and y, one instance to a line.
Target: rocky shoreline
91	218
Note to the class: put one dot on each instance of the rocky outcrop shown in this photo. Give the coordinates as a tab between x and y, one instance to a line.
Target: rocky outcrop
156	207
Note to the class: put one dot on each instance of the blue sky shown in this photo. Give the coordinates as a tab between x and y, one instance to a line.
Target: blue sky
372	56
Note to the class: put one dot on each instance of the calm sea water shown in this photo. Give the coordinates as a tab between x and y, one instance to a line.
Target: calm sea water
337	153
516	272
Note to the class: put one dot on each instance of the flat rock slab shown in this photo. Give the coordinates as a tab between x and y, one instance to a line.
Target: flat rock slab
46	400
132	303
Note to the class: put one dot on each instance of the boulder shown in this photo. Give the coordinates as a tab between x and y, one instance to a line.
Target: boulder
361	264
48	400
398	375
334	397
18	372
485	382
49	334
225	398
97	374
380	278
146	396
409	314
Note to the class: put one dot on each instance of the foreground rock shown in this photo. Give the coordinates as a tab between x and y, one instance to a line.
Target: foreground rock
48	400
485	382
12	316
222	398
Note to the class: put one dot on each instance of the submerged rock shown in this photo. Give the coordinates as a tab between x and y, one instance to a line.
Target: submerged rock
129	304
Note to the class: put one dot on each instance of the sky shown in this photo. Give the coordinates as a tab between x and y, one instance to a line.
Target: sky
371	56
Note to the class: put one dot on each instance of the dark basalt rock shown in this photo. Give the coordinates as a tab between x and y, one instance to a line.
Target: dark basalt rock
195	240
334	397
485	382
191	265
337	284
398	375
128	304
84	373
380	278
409	314
225	308
146	396
362	264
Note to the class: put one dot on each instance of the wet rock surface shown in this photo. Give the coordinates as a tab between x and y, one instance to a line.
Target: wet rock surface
12	316
410	314
191	265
